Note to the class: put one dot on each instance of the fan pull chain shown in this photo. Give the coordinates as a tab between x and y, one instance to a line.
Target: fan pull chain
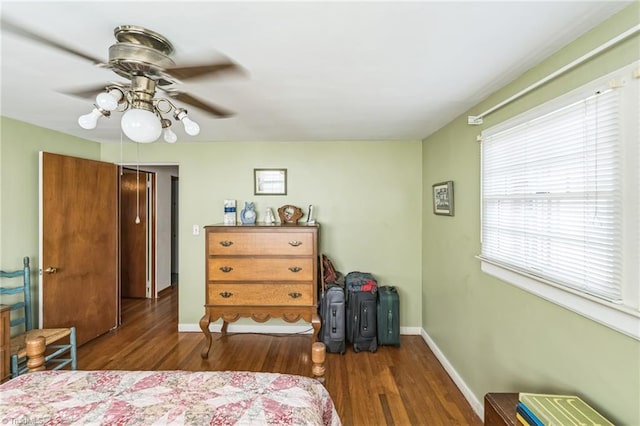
137	183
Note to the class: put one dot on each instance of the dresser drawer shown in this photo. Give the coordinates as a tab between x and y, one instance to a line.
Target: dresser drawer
260	243
260	269
260	294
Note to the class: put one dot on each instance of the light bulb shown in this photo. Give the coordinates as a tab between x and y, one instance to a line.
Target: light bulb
90	121
141	125
107	101
190	126
169	135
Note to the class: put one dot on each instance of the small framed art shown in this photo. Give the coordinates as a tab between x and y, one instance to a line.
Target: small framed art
270	181
443	198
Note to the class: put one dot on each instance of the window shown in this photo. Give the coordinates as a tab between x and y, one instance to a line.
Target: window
561	204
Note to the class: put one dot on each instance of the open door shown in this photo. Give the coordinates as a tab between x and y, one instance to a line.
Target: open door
137	234
78	245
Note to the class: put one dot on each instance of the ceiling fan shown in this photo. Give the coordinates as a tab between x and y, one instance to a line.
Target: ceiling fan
143	57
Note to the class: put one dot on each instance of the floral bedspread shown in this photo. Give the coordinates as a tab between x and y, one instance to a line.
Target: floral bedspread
165	397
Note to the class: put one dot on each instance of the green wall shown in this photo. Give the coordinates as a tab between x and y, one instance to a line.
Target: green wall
497	337
366	197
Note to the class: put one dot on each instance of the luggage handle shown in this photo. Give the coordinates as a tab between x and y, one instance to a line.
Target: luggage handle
389	322
334	321
365	320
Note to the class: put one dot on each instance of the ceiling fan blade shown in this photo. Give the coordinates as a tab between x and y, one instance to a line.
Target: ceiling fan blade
92	91
87	93
185	73
211	109
23	32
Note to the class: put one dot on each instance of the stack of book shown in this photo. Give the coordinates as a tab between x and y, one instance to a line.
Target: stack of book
535	409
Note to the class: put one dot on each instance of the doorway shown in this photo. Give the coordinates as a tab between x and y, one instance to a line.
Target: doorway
159	250
174	230
137	233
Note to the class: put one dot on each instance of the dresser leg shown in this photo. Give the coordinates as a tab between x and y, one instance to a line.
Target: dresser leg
204	326
315	322
223	330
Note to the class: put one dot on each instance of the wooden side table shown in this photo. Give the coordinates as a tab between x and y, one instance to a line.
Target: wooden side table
500	409
5	343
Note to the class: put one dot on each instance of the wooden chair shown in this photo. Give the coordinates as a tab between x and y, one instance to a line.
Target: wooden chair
59	354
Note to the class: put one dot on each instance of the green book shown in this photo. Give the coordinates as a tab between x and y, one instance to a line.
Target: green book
562	410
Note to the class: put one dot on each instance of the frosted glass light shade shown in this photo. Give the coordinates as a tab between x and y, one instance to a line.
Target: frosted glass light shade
141	125
106	101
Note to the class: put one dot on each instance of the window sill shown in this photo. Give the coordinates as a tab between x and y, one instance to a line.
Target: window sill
617	317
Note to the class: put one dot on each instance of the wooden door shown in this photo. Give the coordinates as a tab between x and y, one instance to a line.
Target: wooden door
135	227
79	245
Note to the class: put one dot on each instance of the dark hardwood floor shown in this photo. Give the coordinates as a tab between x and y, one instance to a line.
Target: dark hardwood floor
393	386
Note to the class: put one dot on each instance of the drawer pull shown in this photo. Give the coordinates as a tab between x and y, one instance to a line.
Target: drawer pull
226	294
295	295
226	243
226	268
295	268
295	243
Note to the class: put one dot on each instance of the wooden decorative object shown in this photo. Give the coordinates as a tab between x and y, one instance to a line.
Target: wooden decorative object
35	353
318	355
289	213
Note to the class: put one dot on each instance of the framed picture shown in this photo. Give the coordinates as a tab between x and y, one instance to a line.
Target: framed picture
270	181
443	198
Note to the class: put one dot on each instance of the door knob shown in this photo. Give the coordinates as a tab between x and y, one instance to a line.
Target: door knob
51	270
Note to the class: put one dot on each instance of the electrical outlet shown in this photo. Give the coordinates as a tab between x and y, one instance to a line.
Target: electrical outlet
196	229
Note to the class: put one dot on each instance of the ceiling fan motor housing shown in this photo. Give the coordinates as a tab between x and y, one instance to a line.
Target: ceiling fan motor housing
140	51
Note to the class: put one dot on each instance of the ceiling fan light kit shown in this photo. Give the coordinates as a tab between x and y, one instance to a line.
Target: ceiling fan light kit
142	120
143	57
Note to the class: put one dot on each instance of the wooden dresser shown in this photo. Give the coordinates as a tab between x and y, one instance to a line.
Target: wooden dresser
5	343
260	271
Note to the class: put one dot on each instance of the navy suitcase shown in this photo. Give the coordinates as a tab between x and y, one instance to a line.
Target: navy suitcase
388	316
361	320
332	313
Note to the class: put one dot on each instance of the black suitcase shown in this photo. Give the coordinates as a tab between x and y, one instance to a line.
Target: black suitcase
388	316
361	320
332	313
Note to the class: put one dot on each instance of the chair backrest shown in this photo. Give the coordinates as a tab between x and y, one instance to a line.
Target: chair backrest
20	295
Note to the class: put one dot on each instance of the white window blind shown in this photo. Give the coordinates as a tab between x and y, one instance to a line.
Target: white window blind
551	196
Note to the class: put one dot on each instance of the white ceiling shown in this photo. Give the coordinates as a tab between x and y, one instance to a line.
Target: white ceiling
315	70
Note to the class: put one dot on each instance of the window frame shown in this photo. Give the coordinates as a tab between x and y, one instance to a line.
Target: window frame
625	316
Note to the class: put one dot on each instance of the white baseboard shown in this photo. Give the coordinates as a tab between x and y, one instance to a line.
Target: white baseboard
469	396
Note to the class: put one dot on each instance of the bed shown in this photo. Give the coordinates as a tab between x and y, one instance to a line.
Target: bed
165	397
